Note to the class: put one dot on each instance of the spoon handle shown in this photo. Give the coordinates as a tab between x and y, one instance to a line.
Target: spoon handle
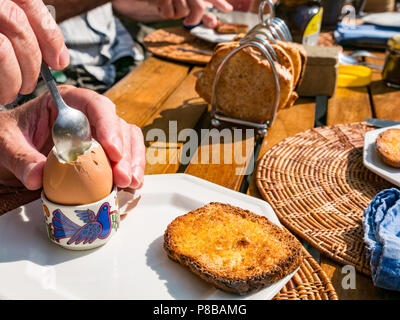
51	84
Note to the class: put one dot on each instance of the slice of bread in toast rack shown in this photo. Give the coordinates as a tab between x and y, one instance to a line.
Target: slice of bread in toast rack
233	249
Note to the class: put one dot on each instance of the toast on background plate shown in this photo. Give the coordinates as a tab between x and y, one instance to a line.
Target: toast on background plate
233	249
388	147
231	28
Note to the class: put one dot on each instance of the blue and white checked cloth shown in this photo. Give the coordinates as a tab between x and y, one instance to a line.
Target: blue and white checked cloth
381	222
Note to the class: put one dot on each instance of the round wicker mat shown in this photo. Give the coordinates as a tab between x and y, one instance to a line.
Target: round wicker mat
318	186
309	283
165	43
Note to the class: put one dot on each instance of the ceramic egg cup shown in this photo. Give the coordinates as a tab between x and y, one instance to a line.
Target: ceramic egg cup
82	227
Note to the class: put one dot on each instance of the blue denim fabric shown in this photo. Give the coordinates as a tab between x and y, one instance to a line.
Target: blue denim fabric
381	222
364	34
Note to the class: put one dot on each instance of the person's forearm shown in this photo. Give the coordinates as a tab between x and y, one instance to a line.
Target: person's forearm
66	9
139	10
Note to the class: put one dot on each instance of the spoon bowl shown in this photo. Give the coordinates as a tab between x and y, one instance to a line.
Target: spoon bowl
71	131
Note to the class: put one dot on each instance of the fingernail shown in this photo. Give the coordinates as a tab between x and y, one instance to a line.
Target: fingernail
126	167
116	141
27	180
27	171
63	58
228	6
138	176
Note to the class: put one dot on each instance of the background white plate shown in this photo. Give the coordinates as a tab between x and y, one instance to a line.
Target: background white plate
133	264
372	160
386	19
251	19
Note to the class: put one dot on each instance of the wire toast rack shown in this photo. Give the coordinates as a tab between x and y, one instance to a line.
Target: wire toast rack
267	31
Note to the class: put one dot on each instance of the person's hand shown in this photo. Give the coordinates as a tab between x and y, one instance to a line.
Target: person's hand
28	34
25	138
210	20
192	10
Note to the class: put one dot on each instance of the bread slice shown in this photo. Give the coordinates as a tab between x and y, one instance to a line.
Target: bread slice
303	56
246	88
231	28
293	52
231	248
297	54
388	147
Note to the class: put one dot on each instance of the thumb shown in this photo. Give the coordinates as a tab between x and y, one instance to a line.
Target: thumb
23	160
210	20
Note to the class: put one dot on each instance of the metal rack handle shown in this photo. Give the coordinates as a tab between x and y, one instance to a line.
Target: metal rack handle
260	36
276	25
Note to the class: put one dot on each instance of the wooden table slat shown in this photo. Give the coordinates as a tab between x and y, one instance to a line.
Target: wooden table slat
141	93
182	110
385	100
349	105
223	161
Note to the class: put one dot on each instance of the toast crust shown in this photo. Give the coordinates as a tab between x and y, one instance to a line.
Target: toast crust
294	54
388	147
231	248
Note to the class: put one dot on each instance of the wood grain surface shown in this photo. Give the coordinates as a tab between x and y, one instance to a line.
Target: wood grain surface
141	93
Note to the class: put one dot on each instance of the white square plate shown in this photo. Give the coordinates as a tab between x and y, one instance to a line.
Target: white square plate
372	160
133	264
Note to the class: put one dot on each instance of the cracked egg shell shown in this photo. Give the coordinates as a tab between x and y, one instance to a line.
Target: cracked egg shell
86	180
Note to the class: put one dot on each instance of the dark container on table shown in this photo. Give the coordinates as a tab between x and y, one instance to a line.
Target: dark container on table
391	69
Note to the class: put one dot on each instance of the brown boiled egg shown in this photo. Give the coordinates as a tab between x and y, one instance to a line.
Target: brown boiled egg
87	179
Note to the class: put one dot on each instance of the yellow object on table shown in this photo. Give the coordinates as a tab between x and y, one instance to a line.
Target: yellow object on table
354	76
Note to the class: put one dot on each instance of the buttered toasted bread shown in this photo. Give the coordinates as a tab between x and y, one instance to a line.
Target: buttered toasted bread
388	147
233	249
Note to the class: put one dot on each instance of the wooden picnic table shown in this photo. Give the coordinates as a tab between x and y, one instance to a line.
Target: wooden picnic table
160	91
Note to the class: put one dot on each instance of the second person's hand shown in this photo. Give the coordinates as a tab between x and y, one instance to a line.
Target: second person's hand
191	10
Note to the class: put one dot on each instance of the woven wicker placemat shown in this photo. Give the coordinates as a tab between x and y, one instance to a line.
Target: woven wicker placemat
309	283
318	186
165	42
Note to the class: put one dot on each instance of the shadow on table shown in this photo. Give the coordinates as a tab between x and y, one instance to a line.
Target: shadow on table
186	117
364	287
359	178
379	87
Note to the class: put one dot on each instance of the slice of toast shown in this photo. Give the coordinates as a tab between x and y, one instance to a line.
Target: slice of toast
231	28
388	147
233	249
246	88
